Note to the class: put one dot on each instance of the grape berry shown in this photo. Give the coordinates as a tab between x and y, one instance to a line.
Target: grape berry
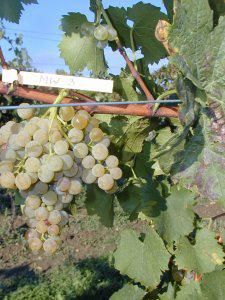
50	161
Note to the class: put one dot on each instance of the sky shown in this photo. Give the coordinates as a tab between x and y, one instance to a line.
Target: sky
39	25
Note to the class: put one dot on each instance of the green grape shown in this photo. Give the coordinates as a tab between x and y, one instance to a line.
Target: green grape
84	114
88	177
63	184
54	136
45	175
40	188
54	163
33	177
94	122
112	161
23	138
105	141
100	152
23	181
6	166
88	162
102	44
9	154
58	176
98	170
116	173
31	233
54	217
61	147
96	135
29	212
12	142
41	136
80	150
101	33
50	246
41	227
31	128
79	122
35	244
59	204
66	198
67	162
50	198
66	113
7	180
32	164
41	214
33	201
75	187
25	114
53	230
106	182
44	124
64	218
71	172
112	33
33	149
75	135
32	222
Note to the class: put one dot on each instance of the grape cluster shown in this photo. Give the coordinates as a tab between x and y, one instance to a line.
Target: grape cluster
50	160
102	33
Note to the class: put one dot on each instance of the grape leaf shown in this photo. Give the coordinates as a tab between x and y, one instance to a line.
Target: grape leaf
219	9
81	52
169	7
145	18
11	10
169	294
178	218
100	203
129	292
213	286
147	260
202	165
203	257
71	23
190	291
19	200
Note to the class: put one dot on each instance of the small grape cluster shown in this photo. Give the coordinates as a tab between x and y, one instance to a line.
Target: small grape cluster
49	159
102	33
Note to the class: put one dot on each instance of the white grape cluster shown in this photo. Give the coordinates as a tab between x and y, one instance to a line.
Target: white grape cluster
50	160
102	33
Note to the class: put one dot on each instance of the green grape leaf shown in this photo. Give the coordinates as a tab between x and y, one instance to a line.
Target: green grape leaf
11	10
100	203
177	220
169	7
219	9
129	292
81	52
125	87
145	18
147	260
213	286
201	164
169	294
201	46
71	23
203	257
190	291
93	6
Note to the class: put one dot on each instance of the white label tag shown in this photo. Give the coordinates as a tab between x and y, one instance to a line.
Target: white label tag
58	81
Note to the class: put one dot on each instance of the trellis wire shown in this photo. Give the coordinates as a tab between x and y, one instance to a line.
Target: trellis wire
71	104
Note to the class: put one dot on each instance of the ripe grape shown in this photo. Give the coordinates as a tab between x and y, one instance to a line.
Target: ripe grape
61	147
33	201
40	188
7	180
100	152
33	149
9	154
45	175
105	141
112	161
32	222
64	218
12	142
54	136
88	177
26	113
29	212
23	138
58	205
98	170
54	217
101	33
50	246
31	233
67	161
33	177
30	128
63	184
66	113
41	227
41	136
116	173
112	33
88	162
79	122
94	122
35	244
76	135
41	214
84	114
106	182
6	166
71	172
32	164
96	135
23	181
50	198
75	187
54	163
53	230
80	150
66	198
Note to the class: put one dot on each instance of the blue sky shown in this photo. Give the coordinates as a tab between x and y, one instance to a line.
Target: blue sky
39	25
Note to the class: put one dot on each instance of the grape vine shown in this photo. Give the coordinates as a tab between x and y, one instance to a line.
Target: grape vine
171	170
